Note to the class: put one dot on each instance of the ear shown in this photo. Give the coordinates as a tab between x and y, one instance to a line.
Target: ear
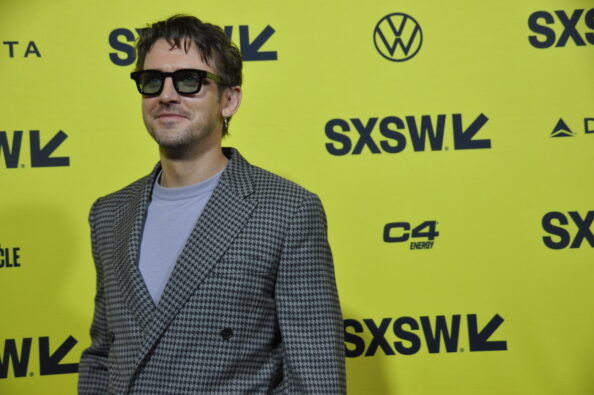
231	100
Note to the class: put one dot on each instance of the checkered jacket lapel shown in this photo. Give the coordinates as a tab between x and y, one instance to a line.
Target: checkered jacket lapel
229	205
128	234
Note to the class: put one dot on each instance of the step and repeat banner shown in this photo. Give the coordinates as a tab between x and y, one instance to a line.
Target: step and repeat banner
451	144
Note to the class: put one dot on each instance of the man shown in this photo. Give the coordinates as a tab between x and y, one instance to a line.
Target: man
213	276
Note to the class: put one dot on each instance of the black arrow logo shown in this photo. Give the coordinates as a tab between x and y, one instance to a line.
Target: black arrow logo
463	137
40	157
50	364
250	51
479	341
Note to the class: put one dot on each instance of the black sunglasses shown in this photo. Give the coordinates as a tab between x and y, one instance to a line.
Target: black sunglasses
185	81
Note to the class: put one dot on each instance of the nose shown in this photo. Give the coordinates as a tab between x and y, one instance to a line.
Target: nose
169	94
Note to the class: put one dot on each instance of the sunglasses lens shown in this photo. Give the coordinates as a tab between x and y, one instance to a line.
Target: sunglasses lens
187	81
150	82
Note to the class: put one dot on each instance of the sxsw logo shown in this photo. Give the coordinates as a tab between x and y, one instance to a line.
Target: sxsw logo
18	49
122	41
388	135
567	230
397	37
409	335
566	22
49	362
561	128
41	156
399	232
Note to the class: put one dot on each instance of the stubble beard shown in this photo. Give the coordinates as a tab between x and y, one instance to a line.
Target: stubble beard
176	142
169	138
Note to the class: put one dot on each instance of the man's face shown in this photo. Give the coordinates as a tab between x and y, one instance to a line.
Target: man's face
182	122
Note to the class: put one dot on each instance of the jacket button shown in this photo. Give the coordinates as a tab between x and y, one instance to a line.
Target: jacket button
227	333
111	337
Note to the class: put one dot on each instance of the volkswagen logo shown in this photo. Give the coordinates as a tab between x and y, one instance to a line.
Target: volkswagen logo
397	37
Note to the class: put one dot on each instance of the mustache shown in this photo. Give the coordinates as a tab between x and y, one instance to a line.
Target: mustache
176	110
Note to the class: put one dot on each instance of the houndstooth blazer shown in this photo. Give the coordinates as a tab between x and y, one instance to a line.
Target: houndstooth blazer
251	305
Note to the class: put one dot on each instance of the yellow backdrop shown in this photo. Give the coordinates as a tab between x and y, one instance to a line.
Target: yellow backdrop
451	143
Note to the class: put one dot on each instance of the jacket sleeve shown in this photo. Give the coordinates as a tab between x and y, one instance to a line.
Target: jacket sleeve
308	309
93	374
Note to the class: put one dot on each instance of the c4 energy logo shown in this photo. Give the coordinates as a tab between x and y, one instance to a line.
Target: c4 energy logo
400	232
10	257
122	41
17	49
562	234
41	156
568	32
408	336
49	362
426	134
397	37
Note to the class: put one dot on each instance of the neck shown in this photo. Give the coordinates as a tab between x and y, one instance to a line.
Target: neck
184	171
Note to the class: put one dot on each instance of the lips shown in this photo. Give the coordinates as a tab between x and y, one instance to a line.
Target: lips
170	115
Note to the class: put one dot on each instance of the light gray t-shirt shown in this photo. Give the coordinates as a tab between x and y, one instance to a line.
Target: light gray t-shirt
172	214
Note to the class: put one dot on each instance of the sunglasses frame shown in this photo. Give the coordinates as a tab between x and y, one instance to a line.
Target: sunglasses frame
136	76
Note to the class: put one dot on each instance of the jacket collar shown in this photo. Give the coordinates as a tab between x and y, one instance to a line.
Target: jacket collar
237	173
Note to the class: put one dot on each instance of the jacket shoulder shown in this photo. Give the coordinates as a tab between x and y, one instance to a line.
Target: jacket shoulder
273	186
121	197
